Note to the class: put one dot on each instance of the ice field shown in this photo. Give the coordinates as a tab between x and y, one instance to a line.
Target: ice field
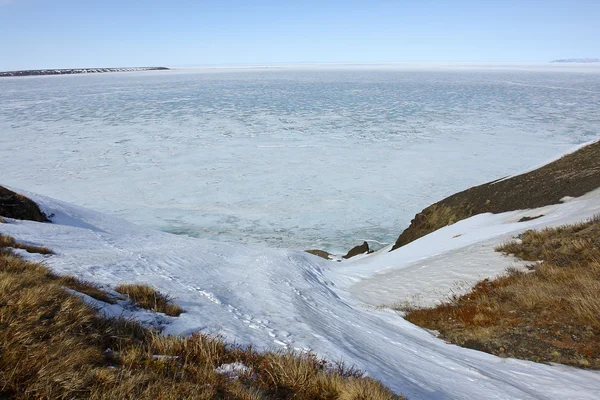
287	156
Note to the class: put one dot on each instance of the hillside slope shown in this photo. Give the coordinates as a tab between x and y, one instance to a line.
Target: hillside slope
572	175
293	300
54	344
547	313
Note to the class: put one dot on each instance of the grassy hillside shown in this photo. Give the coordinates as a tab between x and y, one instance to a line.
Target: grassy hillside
572	175
549	314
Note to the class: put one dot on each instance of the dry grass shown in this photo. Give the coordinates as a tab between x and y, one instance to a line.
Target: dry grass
7	241
562	245
2	220
147	297
550	313
54	345
89	288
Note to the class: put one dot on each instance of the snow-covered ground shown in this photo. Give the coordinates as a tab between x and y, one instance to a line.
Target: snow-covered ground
450	260
283	298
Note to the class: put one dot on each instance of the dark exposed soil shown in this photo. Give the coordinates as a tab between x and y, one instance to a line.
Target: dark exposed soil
573	175
14	205
525	219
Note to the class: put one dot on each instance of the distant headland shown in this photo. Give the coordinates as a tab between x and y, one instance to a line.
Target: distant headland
577	60
71	71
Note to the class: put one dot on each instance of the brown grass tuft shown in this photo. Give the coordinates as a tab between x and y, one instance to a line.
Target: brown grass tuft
547	314
7	241
54	345
85	287
147	297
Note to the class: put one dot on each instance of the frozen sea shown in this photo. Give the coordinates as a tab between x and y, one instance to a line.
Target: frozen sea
288	156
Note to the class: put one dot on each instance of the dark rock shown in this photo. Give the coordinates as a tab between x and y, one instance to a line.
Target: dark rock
362	249
14	205
525	219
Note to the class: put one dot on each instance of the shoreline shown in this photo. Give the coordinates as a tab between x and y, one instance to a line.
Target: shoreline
74	71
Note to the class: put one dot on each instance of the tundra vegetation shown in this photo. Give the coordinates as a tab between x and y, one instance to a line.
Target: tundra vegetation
147	297
546	314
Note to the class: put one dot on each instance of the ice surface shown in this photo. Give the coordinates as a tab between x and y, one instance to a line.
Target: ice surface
289	157
291	299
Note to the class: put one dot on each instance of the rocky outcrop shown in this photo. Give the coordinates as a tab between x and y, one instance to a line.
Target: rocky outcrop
14	205
574	175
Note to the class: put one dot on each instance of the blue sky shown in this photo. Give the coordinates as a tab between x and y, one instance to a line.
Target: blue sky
86	33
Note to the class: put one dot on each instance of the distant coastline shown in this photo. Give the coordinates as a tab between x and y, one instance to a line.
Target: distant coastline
577	60
71	71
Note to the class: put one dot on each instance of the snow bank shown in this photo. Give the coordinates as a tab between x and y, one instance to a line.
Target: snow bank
450	260
281	298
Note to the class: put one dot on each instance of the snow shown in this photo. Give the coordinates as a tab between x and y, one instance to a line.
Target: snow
290	299
450	260
232	370
126	310
298	156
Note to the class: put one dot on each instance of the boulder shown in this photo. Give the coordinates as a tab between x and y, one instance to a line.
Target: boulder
362	249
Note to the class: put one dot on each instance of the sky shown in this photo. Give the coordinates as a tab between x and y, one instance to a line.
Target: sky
38	34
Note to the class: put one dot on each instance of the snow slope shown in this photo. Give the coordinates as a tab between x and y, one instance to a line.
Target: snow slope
450	260
291	299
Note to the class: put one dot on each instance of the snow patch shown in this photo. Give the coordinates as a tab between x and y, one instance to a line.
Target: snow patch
233	370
